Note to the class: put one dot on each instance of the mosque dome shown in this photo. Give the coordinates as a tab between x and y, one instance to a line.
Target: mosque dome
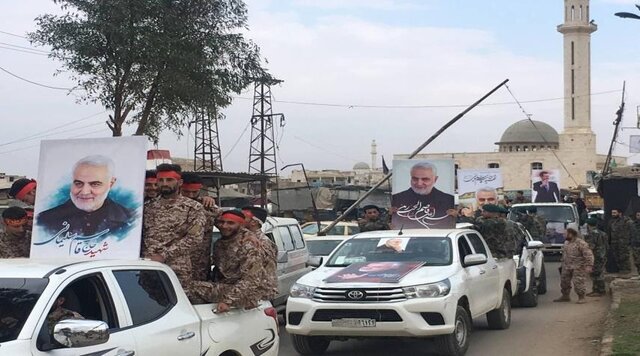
526	135
360	166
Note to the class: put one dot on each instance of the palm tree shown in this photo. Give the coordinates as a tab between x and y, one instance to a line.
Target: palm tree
629	15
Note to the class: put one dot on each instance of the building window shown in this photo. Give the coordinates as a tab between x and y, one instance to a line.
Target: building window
510	148
494	165
525	148
517	148
536	165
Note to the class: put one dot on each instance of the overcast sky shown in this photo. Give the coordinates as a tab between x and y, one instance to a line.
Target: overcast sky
358	52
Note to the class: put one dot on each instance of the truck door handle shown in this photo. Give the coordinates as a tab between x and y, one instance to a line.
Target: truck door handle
125	353
482	271
187	335
494	267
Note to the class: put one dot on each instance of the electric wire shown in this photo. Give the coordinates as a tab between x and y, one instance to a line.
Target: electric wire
238	140
452	106
22	139
528	116
23	47
35	83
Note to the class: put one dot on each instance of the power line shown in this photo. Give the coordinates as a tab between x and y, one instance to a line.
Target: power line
26	138
38	144
357	106
528	116
13	34
238	140
23	51
324	149
23	47
35	83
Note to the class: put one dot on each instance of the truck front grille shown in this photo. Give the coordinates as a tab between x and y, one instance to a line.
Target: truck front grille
369	295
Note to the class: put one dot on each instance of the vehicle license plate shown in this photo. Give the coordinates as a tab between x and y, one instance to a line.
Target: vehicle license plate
353	323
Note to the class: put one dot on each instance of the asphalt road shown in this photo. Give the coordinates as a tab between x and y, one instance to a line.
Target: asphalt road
548	329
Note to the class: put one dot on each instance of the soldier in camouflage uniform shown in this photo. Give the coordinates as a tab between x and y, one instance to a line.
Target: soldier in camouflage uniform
371	220
255	217
173	226
24	190
238	268
597	241
59	313
150	186
15	241
201	257
620	230
635	242
494	229
577	263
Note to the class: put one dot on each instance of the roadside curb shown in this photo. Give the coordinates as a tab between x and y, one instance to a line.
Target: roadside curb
606	345
616	286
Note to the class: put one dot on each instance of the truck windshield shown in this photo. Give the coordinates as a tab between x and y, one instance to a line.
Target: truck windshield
433	251
555	217
321	247
17	298
559	214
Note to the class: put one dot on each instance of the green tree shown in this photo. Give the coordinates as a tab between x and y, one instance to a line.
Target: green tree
153	62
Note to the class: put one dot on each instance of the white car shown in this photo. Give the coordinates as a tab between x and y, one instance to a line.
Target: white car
532	276
455	279
129	308
322	246
558	216
342	228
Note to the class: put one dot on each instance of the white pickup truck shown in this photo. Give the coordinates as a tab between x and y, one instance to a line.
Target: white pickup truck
454	278
129	308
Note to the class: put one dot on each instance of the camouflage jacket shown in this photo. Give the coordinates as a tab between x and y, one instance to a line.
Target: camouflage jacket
270	264
174	229
14	247
598	244
238	262
620	230
576	254
635	238
494	231
366	225
59	314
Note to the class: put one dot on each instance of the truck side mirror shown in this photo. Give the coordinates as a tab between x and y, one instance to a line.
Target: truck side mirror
81	333
533	245
283	257
474	259
314	261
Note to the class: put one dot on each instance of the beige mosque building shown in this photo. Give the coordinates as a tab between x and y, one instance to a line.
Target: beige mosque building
528	145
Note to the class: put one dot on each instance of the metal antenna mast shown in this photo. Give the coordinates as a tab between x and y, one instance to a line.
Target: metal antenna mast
262	154
207	156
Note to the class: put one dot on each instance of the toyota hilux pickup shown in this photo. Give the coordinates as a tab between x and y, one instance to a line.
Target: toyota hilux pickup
415	284
119	308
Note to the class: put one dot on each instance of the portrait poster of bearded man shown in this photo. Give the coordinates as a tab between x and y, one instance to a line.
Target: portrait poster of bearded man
422	194
90	197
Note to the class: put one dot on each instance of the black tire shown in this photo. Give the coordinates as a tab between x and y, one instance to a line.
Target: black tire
500	318
457	342
529	299
310	345
542	281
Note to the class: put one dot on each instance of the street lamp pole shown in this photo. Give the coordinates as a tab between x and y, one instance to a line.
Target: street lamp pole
313	200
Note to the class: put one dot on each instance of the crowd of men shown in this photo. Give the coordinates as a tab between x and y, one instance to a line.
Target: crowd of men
240	269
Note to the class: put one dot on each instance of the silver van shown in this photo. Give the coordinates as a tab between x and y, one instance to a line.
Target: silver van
293	255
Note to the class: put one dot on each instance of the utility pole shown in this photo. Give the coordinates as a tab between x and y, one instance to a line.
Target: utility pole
616	125
262	153
206	154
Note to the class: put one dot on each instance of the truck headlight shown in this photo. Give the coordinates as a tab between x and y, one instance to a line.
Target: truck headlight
431	290
301	291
